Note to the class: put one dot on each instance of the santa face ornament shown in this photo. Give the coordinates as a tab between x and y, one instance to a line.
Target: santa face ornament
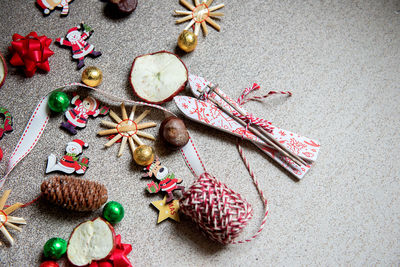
90	103
74	36
70	162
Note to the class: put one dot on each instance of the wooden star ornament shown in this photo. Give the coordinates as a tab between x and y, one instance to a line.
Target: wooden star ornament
167	210
199	14
9	221
127	128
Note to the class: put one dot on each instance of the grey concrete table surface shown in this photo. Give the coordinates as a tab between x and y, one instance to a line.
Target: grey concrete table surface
341	60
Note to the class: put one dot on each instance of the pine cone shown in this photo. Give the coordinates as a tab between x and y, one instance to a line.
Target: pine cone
74	193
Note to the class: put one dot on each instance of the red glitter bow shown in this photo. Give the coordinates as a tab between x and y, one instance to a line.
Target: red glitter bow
118	257
31	51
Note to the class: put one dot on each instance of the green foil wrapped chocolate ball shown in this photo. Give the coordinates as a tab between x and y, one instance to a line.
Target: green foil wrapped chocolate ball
58	101
113	212
55	248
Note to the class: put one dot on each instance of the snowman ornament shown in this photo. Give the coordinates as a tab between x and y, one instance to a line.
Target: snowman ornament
70	162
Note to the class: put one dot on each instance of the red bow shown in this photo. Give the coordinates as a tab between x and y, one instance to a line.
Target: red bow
118	257
31	51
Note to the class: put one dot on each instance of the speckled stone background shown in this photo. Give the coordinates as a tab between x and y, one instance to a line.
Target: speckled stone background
341	60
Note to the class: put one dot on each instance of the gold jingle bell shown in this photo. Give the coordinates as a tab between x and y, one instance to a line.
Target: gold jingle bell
92	76
143	155
187	41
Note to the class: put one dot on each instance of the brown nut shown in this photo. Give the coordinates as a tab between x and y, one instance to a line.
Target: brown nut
125	6
173	131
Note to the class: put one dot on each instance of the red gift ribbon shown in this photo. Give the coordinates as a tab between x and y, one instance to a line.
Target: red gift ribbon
31	51
118	257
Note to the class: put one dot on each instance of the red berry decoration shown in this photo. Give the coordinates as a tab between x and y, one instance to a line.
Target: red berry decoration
1	154
49	264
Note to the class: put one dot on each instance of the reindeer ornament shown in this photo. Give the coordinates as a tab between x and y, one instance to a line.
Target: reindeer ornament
167	181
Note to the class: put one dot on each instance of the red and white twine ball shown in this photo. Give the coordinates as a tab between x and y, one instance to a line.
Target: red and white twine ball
220	212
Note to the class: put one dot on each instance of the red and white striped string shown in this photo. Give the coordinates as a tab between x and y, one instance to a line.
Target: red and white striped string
264	200
242	100
251	119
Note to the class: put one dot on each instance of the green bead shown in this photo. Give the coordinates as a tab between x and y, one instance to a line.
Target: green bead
113	212
58	101
55	248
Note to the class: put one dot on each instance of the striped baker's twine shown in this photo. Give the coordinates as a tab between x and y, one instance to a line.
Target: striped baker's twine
243	98
251	119
266	125
265	202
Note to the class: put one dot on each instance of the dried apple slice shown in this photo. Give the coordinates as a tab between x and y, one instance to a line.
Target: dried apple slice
3	70
91	240
156	78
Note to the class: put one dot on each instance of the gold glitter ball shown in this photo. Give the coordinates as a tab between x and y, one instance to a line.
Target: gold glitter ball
92	76
143	155
187	41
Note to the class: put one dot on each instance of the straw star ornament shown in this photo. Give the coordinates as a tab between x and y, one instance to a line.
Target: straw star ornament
199	14
127	128
9	221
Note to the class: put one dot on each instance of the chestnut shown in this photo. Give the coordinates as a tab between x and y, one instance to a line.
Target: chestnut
173	131
125	6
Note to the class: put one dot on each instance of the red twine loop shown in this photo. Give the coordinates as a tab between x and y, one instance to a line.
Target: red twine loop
250	118
220	212
5	218
31	51
124	123
118	257
243	98
198	9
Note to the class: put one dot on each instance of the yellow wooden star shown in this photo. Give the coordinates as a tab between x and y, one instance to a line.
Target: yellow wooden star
167	210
